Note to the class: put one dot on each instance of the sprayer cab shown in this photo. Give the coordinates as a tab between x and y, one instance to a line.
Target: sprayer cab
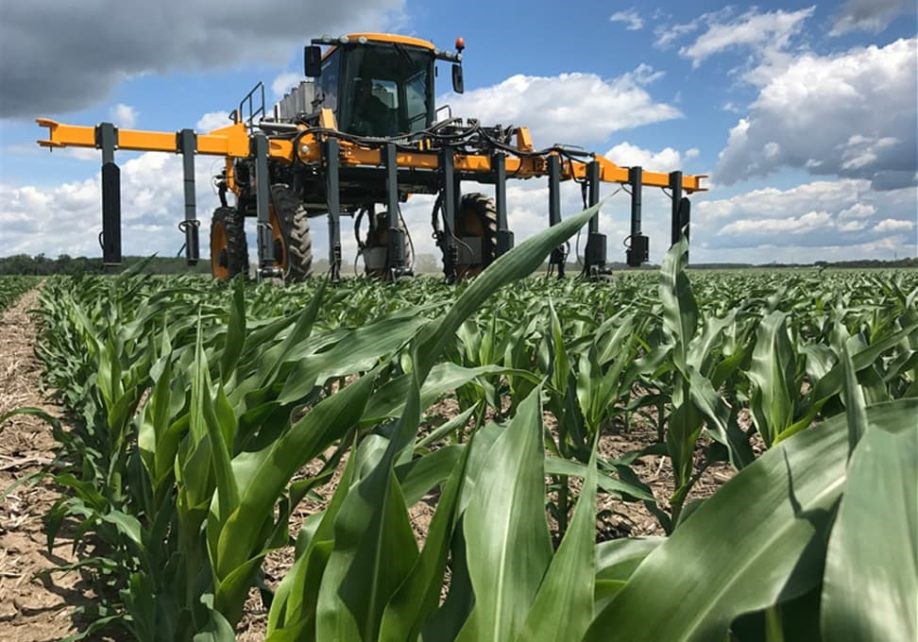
378	85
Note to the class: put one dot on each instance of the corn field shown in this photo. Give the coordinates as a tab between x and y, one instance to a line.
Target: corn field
13	287
203	416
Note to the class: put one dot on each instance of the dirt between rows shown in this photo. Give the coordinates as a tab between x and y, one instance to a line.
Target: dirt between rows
36	605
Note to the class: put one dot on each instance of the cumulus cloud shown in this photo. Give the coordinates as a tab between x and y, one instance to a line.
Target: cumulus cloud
850	114
761	31
665	160
852	226
152	205
57	57
820	214
123	115
799	225
858	210
866	15
575	108
893	225
213	120
284	82
630	18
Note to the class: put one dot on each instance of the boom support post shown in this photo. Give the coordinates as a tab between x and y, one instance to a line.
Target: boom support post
190	226
333	201
594	263
264	235
504	235
449	196
638	245
396	261
110	238
559	254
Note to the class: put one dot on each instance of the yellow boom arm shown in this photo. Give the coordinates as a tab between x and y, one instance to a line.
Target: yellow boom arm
233	142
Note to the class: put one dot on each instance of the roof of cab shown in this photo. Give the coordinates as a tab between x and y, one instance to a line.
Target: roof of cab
394	38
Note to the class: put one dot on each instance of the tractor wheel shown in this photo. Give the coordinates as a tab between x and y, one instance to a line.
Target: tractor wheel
290	226
377	248
229	253
477	218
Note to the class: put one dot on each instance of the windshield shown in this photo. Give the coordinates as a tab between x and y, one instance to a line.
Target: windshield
391	90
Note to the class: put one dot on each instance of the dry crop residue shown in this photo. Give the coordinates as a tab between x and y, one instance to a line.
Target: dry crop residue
33	605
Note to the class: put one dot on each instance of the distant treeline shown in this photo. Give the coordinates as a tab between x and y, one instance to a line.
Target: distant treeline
425	264
64	264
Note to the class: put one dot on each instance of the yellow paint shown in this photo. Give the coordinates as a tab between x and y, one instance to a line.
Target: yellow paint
233	142
393	38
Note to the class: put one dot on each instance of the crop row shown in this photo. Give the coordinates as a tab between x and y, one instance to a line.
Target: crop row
204	415
13	287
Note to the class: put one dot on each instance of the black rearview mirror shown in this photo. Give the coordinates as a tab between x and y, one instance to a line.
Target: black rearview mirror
312	61
458	85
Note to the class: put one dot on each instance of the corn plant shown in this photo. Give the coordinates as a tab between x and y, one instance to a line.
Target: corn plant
13	287
203	414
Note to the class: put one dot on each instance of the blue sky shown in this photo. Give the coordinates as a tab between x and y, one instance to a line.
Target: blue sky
803	114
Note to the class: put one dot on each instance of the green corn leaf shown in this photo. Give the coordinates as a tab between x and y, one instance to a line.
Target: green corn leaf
616	561
772	374
507	540
558	466
855	405
359	350
417	597
294	606
261	478
519	262
235	331
563	607
680	312
750	558
871	575
374	546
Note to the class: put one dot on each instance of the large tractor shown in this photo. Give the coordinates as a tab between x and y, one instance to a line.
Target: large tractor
357	137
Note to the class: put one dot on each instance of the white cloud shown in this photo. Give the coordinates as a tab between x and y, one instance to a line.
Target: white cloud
852	226
771	202
761	31
893	225
665	160
575	108
850	114
152	196
866	15
883	248
858	210
213	120
823	215
630	18
284	82
123	116
667	33
805	223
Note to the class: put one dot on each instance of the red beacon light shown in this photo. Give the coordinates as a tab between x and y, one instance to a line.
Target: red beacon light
460	44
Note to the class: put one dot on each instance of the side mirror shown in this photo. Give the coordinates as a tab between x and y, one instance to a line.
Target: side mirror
312	61
458	85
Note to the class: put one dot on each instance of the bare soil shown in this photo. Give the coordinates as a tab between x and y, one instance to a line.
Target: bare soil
34	605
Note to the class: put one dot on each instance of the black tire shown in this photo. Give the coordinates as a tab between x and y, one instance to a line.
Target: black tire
295	254
477	217
229	251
